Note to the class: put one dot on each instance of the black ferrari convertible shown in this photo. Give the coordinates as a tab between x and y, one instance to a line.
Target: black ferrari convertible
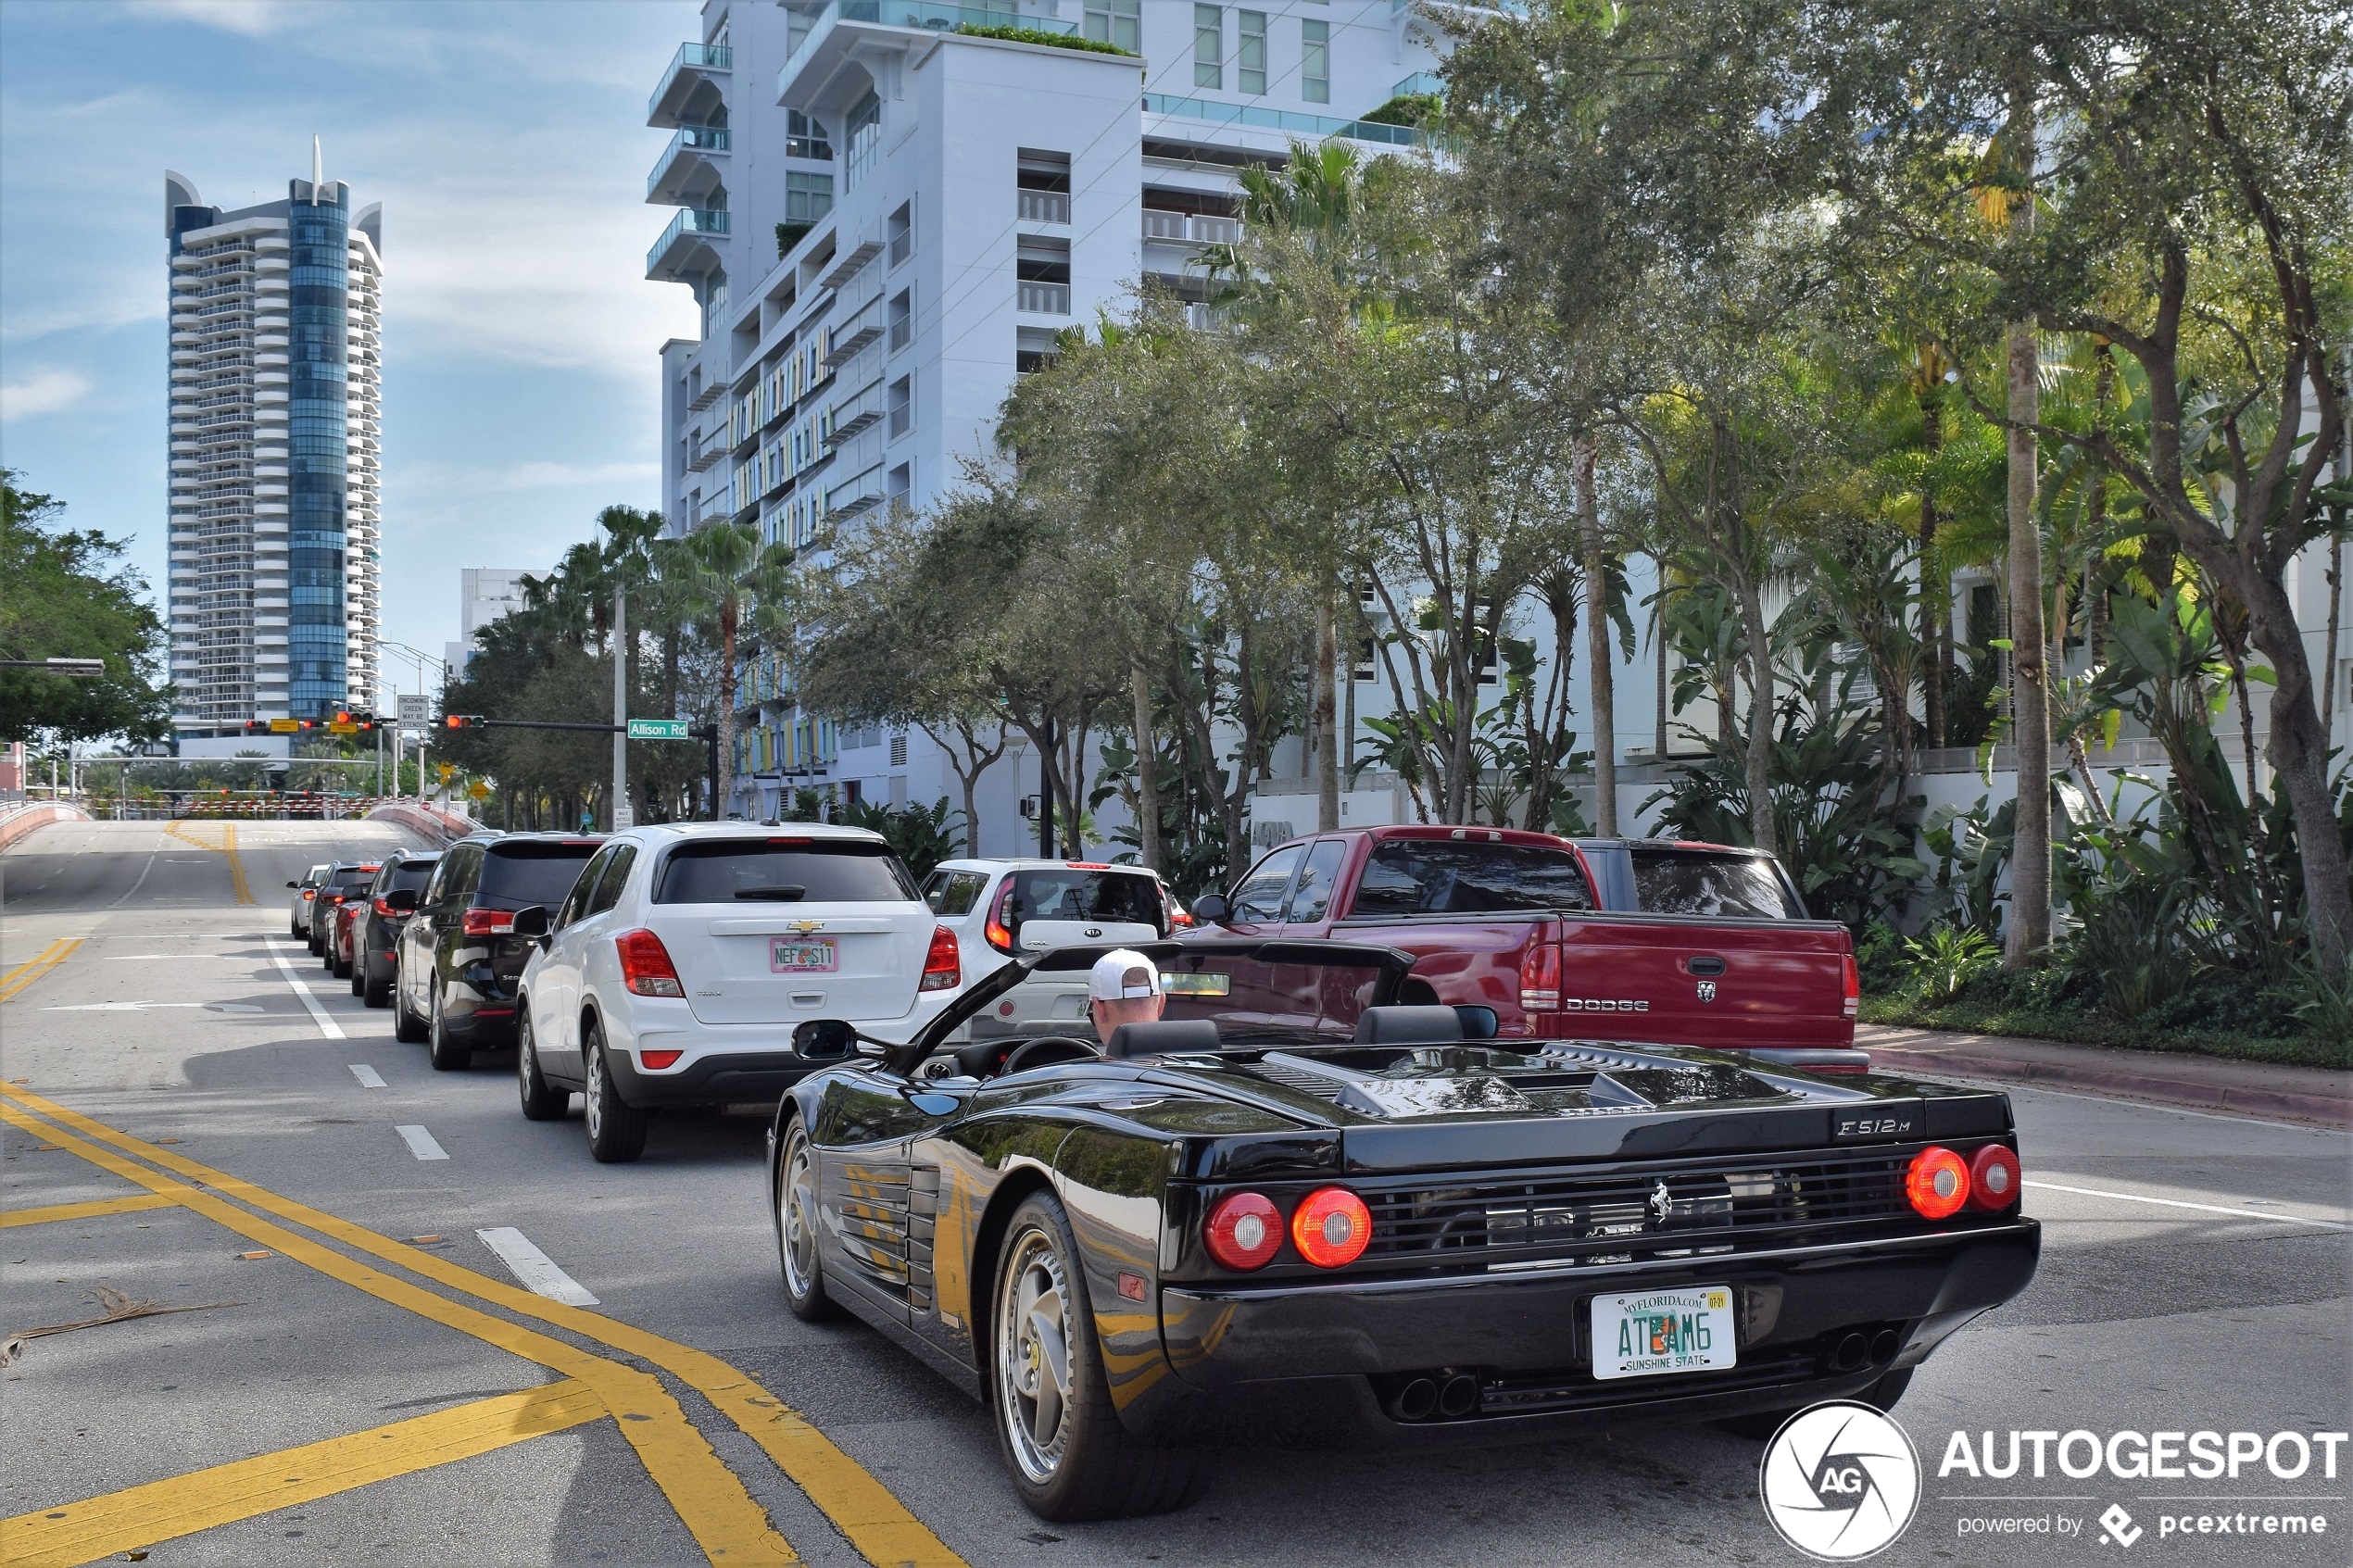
1297	1212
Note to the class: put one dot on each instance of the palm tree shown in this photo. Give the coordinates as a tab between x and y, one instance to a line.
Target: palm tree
721	580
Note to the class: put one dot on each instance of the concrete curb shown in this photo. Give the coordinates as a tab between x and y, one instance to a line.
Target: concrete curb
22	823
2245	1099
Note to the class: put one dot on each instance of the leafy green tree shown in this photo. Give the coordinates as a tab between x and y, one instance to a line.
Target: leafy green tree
63	594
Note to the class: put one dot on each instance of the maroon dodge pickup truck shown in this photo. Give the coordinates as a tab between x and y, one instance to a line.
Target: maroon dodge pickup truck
1634	940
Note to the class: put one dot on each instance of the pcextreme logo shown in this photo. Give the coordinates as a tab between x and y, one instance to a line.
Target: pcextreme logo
1841	1481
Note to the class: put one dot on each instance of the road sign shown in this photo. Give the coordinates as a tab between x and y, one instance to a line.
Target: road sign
448	771
342	727
660	729
285	726
479	790
416	711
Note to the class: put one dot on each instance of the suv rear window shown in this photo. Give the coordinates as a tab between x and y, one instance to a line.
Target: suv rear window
411	874
1694	881
1068	893
515	876
1417	877
783	871
355	883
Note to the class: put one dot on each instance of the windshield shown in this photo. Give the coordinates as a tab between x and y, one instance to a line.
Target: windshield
412	874
790	870
1419	876
1068	893
355	883
1696	882
515	876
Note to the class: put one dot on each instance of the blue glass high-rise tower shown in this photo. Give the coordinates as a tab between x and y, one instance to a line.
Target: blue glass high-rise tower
317	230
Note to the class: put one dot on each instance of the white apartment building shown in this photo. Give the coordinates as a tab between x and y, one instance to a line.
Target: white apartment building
485	593
275	414
884	220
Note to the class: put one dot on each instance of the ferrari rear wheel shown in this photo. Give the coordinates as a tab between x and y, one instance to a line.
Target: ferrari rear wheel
1069	1457
798	1229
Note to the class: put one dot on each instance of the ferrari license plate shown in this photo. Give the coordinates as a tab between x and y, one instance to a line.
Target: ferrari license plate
795	954
1654	1331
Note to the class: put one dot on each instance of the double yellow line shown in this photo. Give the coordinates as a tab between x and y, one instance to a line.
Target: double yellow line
711	1499
227	847
14	982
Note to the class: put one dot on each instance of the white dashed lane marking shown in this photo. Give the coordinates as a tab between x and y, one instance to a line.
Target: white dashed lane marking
534	1268
328	1027
369	1077
421	1143
2202	1208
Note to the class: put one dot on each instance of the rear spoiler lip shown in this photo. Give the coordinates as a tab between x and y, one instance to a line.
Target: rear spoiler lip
1813	1059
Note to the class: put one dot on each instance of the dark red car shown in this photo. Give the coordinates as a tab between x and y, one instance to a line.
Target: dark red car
342	898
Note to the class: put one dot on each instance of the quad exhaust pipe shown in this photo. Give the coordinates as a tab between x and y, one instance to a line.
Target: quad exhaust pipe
1448	1396
1856	1351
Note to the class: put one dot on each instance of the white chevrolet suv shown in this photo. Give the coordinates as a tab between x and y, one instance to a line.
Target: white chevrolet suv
675	970
1000	908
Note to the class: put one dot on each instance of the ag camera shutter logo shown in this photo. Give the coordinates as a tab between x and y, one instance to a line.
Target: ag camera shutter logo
1840	1481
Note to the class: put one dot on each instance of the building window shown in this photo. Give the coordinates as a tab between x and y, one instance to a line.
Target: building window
807	197
898	755
1032	348
1043	182
1209	46
903	320
864	131
804	137
902	407
899	485
714	302
1315	61
902	232
1041	266
1117	22
1249	60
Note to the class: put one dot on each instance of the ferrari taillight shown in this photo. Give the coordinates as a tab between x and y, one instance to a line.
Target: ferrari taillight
1540	978
1993	1178
646	968
943	966
1331	1228
996	931
1245	1231
1936	1183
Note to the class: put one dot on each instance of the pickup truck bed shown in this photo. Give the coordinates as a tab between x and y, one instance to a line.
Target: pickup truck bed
1508	920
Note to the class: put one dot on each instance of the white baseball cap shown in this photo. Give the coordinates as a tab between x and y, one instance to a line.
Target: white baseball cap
1109	980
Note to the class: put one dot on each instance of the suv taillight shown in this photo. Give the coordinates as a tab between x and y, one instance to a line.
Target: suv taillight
997	935
385	909
1540	978
486	922
943	966
1850	981
645	965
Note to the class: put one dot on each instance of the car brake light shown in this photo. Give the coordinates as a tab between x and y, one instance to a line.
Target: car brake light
943	966
1331	1227
486	922
997	935
1244	1231
1936	1183
309	893
1088	865
382	908
1850	982
1180	921
645	965
1993	1178
657	1060
1540	978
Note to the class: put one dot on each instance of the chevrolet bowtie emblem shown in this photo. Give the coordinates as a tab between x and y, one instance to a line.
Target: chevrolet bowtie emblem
805	926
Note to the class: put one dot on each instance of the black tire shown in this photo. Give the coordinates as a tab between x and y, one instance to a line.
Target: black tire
374	992
799	1227
1882	1394
1069	1457
406	1027
616	1129
542	1101
449	1054
358	973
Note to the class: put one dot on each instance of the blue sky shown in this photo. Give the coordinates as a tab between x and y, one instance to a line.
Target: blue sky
509	145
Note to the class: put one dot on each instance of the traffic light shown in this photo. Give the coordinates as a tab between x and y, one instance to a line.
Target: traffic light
464	720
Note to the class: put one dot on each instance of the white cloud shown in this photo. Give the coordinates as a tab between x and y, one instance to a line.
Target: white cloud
253	19
46	391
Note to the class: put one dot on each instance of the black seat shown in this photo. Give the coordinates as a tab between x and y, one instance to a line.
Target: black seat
1162	1037
1409	1027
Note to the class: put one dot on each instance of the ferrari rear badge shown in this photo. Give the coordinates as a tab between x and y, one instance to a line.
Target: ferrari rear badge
1708	990
1662	1205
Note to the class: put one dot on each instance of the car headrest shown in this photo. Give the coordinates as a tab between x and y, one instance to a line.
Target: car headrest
1409	1027
1163	1036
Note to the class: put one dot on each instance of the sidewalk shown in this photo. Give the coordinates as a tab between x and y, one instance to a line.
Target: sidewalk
2202	1083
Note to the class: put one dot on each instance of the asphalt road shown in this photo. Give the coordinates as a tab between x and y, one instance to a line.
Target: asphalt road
2196	1278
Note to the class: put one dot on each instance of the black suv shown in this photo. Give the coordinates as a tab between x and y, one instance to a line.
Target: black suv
376	928
459	960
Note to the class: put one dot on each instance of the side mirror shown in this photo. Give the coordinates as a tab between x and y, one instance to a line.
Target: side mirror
401	900
824	1039
292	884
531	922
1211	908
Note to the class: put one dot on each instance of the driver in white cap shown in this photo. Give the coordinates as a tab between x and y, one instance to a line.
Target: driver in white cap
1123	987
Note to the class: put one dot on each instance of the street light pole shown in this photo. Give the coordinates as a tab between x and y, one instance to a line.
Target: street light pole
623	816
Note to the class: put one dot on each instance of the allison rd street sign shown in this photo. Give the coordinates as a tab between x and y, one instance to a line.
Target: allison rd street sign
660	729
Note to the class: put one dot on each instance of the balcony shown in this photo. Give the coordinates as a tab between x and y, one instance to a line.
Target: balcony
1045	299
1045	207
856	494
854	414
687	238
855	334
691	82
1285	120
684	168
1191	228
821	40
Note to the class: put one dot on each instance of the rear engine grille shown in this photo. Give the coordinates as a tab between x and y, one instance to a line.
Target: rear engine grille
1630	1211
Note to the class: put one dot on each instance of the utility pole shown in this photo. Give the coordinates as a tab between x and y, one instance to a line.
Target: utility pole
623	816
